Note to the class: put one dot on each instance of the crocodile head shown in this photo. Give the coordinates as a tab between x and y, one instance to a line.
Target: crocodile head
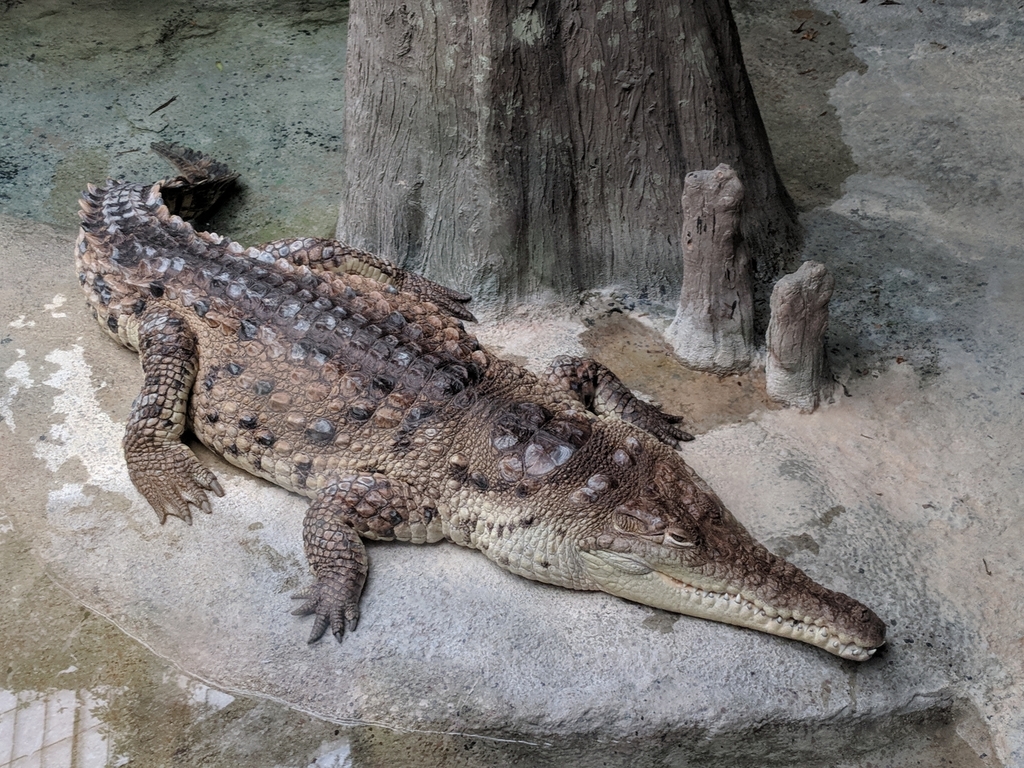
669	542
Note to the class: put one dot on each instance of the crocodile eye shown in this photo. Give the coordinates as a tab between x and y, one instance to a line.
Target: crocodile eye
677	539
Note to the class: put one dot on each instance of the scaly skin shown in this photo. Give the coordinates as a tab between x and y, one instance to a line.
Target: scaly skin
341	377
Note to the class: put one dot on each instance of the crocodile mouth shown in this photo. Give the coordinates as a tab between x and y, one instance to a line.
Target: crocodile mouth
733	608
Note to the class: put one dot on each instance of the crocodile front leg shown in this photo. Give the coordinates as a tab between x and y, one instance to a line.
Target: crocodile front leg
332	256
162	468
604	394
356	506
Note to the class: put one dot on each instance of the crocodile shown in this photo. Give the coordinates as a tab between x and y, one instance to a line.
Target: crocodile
344	378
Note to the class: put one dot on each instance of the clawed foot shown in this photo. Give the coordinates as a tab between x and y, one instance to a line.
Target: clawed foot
172	480
448	299
335	601
603	393
650	418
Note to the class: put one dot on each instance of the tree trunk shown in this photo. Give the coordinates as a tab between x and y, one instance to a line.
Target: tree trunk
512	148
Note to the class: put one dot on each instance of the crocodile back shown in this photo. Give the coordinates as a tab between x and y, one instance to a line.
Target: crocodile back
301	372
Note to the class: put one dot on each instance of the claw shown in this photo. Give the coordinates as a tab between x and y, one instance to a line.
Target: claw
303	594
679	435
171	479
331	611
312	606
337	623
319	627
305	609
163	513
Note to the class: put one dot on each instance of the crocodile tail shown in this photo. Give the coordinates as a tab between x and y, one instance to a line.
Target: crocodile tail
201	183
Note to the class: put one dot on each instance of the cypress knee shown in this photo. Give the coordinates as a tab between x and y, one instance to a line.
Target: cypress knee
797	369
714	325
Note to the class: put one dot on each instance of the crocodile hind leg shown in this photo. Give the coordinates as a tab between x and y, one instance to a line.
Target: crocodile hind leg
200	184
332	256
162	468
356	506
604	394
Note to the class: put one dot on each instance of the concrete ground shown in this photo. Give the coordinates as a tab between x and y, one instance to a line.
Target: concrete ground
897	126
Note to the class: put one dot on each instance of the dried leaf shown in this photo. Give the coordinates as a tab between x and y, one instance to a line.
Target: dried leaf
165	104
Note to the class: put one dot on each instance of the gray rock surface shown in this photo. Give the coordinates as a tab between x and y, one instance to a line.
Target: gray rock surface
930	271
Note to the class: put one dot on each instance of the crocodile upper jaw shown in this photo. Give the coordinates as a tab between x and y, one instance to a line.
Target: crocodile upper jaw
632	579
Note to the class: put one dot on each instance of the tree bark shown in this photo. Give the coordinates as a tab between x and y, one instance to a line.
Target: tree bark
510	148
797	372
714	325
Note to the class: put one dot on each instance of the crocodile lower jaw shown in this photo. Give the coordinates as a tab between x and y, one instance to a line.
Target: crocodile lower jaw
735	609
